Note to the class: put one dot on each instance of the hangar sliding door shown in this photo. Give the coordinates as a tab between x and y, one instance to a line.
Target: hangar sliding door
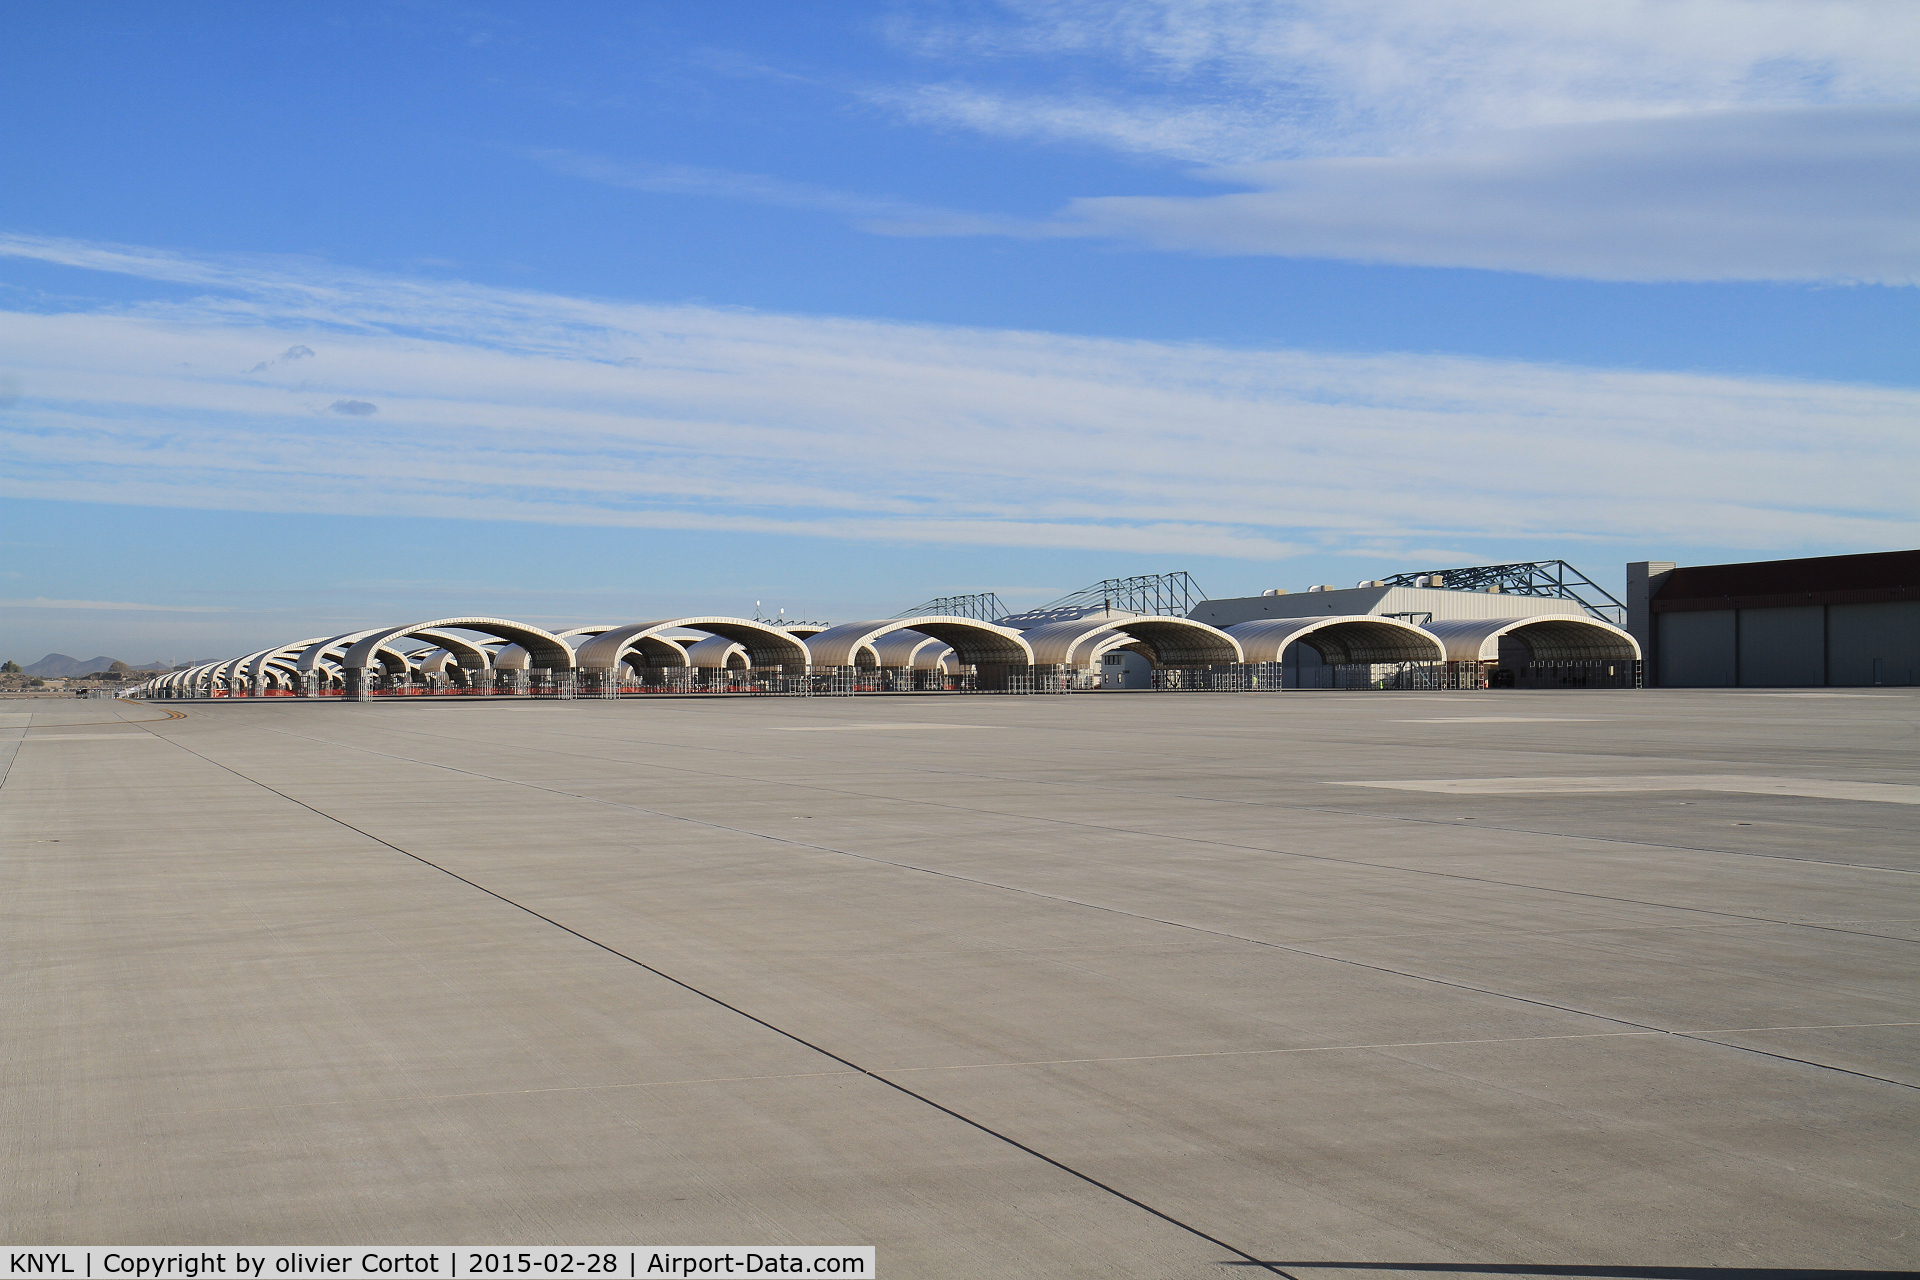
1783	647
1873	643
1697	648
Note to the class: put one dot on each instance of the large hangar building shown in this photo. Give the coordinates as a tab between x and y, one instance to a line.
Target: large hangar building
1845	621
1416	604
1530	640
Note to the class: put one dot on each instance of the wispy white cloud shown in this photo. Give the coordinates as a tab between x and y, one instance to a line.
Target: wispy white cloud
1150	124
506	406
1680	140
1247	80
1823	194
681	179
116	606
756	188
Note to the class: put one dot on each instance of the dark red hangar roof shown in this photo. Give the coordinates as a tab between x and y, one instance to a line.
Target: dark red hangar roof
1861	579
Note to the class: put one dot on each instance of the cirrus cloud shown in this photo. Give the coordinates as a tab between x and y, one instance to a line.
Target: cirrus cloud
1826	194
514	406
1675	141
1238	81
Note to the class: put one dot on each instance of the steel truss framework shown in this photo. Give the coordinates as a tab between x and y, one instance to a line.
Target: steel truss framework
1165	594
1555	579
1151	593
985	606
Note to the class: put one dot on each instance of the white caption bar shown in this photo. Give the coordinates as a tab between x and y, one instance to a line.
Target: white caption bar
432	1262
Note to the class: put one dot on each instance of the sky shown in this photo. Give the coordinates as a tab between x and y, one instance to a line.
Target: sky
325	317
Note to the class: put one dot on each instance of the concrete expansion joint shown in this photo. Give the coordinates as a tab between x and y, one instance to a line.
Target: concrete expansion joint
1303	951
1100	1012
770	1026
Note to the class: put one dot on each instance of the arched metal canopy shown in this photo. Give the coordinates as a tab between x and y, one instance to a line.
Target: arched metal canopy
718	653
278	671
515	657
976	643
910	651
287	653
1165	641
336	648
191	676
766	645
511	657
467	653
643	650
230	670
1360	637
434	662
202	674
546	650
268	666
331	647
1548	639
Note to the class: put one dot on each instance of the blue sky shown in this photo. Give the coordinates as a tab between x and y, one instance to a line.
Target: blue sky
368	312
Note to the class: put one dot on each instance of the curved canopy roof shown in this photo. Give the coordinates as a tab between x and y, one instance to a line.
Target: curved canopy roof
280	674
433	662
545	649
466	652
717	652
1167	641
205	673
182	678
231	669
331	647
1548	639
287	653
336	648
1351	637
513	657
974	642
766	644
909	650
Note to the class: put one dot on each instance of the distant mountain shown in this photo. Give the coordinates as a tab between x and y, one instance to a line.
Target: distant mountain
59	664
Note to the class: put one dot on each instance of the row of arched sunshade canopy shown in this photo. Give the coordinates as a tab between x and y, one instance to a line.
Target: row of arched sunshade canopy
454	647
